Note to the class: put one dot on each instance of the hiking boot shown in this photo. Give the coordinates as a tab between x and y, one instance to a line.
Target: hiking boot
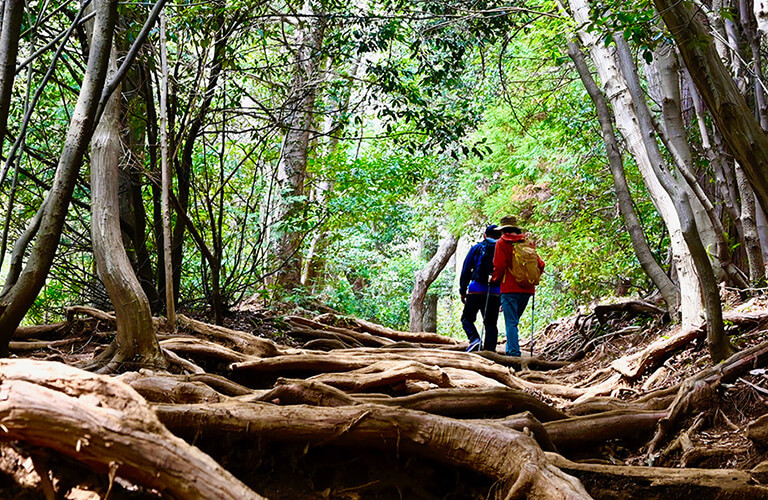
474	346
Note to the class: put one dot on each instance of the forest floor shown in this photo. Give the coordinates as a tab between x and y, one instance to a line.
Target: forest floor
311	405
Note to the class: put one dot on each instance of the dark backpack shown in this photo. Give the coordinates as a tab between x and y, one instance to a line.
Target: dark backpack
484	262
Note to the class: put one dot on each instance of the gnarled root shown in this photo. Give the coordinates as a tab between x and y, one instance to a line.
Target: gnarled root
106	425
490	449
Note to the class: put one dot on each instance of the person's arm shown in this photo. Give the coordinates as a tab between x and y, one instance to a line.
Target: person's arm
466	271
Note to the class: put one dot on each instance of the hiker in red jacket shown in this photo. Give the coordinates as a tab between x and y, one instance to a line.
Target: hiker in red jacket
514	296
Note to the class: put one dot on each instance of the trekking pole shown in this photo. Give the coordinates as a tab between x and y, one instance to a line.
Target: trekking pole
533	317
485	312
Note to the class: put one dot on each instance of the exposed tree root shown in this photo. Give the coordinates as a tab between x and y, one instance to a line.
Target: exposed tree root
339	340
634	365
522	363
382	331
757	430
320	330
660	482
588	430
385	374
34	345
354	359
105	425
37	331
474	403
698	393
493	450
203	349
243	341
164	389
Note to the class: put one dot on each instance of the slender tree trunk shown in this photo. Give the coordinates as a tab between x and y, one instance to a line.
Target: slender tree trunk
425	277
13	12
184	165
643	251
16	301
131	192
710	228
312	273
170	305
292	167
136	342
735	121
749	223
719	347
691	305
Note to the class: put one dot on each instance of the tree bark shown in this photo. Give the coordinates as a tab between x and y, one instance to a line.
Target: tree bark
643	251
104	424
13	12
627	122
166	175
16	301
136	341
492	450
748	217
719	346
292	167
708	224
735	121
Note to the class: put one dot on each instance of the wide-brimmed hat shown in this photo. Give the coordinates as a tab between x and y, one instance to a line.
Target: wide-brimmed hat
508	222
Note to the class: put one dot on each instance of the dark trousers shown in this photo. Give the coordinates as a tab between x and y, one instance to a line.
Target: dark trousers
477	302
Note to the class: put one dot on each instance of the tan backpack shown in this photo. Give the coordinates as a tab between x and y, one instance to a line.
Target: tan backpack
525	265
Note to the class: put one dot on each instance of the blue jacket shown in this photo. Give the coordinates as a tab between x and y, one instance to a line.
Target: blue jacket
466	284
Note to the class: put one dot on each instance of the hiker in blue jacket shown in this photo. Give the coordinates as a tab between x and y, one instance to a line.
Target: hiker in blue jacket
478	294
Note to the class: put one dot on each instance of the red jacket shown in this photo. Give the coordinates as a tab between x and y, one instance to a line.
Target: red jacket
505	248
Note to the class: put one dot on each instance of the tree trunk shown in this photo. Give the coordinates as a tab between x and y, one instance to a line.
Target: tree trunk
21	294
761	15
292	167
165	167
614	85
735	121
719	346
626	206
710	228
425	277
135	338
13	12
184	164
749	224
